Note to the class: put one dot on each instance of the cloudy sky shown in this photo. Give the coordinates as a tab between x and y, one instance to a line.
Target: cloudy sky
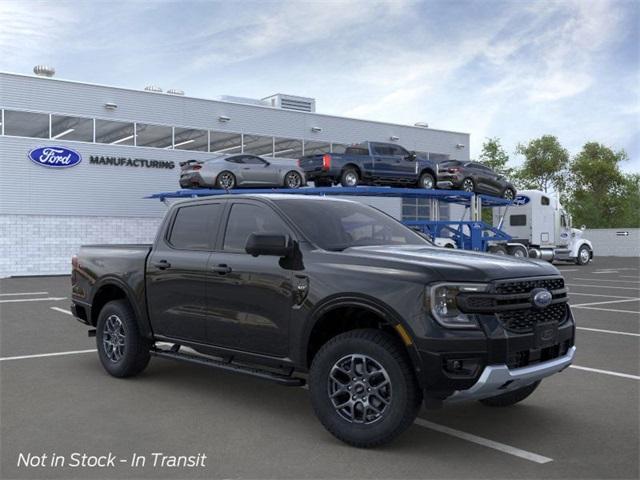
515	69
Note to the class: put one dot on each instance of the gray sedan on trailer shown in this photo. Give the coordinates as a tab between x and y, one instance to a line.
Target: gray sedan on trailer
241	170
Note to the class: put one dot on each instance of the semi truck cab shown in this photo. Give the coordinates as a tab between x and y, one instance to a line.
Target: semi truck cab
537	221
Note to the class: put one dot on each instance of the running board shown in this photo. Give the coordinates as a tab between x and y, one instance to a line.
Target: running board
230	367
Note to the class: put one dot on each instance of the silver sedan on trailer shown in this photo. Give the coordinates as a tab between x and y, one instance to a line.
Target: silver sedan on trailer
241	170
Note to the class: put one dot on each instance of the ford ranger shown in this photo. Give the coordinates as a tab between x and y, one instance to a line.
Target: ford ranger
371	163
332	292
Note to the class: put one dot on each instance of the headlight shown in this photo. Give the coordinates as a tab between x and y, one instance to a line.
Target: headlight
444	305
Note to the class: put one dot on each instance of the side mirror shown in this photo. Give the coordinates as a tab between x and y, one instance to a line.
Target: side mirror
412	156
268	244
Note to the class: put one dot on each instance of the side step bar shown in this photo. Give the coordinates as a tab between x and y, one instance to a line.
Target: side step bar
210	362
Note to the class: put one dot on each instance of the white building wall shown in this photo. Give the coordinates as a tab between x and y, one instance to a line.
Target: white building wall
612	242
44	244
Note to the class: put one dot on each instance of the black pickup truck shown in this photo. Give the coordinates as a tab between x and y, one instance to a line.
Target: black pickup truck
293	288
371	163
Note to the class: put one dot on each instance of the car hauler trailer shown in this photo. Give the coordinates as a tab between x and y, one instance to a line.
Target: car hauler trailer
540	223
471	234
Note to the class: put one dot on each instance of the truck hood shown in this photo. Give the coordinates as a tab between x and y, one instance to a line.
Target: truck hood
458	265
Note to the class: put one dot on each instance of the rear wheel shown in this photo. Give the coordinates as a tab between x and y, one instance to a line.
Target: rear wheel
293	179
519	251
510	398
226	180
584	255
349	178
497	250
468	185
427	181
122	350
363	388
509	194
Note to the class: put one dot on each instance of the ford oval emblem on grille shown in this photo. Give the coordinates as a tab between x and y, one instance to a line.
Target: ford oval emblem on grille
542	297
55	157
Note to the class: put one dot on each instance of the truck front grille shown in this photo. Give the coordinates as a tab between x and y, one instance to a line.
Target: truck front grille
523	321
512	303
525	286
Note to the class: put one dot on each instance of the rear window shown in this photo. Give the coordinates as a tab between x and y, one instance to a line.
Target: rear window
194	227
518	220
356	151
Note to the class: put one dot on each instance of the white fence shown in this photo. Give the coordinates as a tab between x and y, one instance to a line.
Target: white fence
614	242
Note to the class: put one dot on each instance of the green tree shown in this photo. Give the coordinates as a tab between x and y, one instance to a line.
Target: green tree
600	195
494	156
545	164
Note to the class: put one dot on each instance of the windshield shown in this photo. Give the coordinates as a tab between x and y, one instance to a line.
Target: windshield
336	225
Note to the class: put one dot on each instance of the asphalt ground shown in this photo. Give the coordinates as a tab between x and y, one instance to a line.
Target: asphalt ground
581	423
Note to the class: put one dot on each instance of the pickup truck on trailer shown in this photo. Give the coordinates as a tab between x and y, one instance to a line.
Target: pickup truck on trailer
371	314
371	163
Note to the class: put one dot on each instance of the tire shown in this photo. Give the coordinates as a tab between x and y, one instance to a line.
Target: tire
427	181
498	250
379	422
519	251
508	194
510	398
584	255
468	185
132	356
349	178
292	180
226	180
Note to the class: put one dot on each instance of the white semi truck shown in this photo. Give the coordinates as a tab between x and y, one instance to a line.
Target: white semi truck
541	228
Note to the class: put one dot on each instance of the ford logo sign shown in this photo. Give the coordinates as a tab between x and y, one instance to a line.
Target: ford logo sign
521	200
55	157
542	298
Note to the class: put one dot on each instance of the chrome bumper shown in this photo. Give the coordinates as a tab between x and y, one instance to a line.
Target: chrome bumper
498	379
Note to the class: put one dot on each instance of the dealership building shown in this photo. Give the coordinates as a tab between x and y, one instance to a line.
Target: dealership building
128	145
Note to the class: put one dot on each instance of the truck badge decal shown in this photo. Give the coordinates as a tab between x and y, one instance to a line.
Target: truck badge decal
541	297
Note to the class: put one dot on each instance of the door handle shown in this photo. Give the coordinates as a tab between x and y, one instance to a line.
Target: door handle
162	265
222	269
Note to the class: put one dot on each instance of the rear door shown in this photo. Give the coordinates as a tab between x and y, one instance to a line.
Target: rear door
177	272
249	298
383	160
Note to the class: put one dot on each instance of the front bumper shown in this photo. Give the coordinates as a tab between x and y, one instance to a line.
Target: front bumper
499	379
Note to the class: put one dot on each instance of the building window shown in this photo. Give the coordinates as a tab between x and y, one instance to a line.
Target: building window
71	128
415	209
258	145
190	139
315	148
287	148
26	124
114	133
225	142
157	136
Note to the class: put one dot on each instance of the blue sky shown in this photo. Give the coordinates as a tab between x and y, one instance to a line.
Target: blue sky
515	70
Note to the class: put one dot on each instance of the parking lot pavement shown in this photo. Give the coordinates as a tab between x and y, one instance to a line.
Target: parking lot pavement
580	423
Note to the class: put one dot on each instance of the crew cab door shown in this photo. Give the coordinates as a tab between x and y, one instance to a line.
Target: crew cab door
177	272
249	298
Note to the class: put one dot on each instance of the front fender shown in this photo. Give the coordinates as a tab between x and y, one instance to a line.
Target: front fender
579	243
380	309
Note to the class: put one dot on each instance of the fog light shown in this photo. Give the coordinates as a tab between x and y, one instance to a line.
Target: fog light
462	367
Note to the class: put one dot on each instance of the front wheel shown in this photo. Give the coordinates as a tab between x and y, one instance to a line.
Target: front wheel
293	179
510	398
122	350
427	181
363	388
584	255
